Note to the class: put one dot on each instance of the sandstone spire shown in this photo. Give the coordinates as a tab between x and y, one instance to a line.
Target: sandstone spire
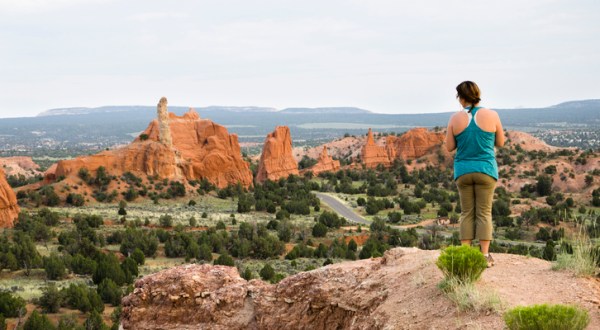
325	163
370	140
163	123
373	155
276	160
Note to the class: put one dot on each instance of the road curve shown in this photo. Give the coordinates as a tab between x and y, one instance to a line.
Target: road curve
342	209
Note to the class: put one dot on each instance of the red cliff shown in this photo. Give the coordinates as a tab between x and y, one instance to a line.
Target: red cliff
276	160
416	143
9	210
196	149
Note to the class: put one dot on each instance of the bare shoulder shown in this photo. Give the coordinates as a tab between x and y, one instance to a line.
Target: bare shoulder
457	115
489	113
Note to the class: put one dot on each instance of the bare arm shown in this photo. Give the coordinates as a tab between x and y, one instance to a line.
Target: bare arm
499	133
450	140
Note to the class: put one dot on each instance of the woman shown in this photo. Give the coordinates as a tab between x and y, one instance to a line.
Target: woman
474	131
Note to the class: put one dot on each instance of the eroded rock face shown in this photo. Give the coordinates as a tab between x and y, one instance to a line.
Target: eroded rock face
215	297
20	165
9	209
373	154
195	149
325	163
276	160
416	143
398	291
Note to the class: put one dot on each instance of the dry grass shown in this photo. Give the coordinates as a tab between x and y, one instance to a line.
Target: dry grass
467	297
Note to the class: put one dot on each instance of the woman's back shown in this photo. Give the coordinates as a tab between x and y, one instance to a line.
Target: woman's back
476	133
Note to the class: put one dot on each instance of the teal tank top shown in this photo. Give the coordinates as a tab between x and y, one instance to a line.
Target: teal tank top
475	151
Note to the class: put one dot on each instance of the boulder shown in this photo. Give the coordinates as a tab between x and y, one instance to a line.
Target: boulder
276	160
9	209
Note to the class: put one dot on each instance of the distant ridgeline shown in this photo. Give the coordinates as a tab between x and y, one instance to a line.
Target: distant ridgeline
81	129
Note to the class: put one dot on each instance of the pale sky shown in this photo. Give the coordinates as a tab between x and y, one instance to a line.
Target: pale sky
387	56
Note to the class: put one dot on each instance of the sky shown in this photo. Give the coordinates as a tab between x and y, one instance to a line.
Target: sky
387	56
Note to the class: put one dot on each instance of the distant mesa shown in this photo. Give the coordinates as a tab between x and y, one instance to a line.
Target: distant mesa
9	210
172	147
325	163
334	110
276	160
126	108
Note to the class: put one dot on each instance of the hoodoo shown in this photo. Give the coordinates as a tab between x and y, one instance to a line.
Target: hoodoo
373	155
325	163
172	147
276	160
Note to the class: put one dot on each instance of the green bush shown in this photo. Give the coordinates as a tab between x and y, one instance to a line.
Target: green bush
463	263
37	321
546	317
10	306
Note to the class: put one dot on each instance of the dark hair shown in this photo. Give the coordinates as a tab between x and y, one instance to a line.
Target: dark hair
469	91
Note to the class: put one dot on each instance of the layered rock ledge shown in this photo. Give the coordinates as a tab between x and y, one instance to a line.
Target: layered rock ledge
397	291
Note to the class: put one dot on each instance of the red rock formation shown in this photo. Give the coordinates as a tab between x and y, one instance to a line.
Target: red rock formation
325	163
9	209
377	293
276	160
200	149
373	155
19	165
416	143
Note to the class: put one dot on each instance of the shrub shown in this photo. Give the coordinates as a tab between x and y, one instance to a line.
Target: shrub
267	272
546	317
10	306
224	259
110	292
165	220
54	267
463	263
138	256
51	299
37	321
319	230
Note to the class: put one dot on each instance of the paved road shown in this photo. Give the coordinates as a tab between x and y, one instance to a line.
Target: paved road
352	216
342	209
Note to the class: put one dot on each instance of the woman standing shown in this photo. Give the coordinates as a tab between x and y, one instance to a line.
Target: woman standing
473	132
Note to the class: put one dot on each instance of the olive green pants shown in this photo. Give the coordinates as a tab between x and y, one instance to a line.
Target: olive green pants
476	192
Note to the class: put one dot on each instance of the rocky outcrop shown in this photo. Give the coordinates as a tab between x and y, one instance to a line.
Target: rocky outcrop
9	209
325	163
188	148
20	165
416	143
373	155
398	291
276	160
